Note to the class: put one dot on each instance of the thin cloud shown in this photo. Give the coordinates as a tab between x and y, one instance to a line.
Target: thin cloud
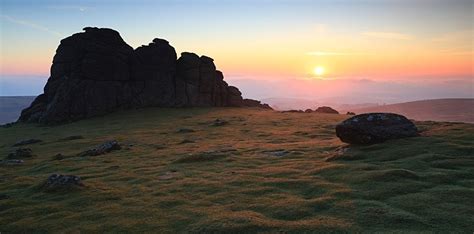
31	25
388	35
71	7
455	37
328	53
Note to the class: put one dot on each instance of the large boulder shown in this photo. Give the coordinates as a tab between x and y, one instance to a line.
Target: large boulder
96	72
374	128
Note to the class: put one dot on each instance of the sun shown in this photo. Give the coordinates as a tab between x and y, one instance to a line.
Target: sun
319	71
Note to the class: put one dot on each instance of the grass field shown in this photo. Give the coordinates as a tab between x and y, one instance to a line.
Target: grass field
264	171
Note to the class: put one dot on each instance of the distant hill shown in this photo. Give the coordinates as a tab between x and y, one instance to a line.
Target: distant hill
11	106
451	110
283	104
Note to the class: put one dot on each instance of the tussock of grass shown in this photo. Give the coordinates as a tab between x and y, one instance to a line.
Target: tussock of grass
228	180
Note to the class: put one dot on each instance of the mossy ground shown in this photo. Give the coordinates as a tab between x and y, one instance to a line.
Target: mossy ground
226	179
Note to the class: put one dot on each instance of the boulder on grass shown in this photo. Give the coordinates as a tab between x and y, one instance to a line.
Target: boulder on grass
374	128
62	182
21	153
102	149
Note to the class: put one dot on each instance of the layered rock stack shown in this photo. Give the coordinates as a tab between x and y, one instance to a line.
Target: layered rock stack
96	72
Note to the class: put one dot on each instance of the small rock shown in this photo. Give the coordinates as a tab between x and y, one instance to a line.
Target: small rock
185	130
59	157
102	149
219	122
20	153
27	142
186	141
70	138
350	113
277	153
58	181
168	175
293	111
11	162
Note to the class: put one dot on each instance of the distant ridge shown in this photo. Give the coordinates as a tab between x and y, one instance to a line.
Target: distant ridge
450	109
11	106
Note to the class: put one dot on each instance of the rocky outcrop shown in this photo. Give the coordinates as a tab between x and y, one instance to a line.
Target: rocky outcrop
326	110
96	72
374	128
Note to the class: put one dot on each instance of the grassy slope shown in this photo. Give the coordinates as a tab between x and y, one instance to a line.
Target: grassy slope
225	181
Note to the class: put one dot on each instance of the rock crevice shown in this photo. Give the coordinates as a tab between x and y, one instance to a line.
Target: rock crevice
96	72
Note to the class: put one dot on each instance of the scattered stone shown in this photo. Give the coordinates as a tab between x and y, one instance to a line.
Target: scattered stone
71	138
59	157
58	181
293	111
219	122
102	149
21	153
277	153
185	130
186	141
11	162
168	175
202	157
326	110
27	142
374	128
350	113
341	153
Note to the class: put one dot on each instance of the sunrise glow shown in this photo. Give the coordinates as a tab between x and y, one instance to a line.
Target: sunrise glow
319	71
290	40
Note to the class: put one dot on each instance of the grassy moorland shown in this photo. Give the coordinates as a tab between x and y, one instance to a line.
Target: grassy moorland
264	171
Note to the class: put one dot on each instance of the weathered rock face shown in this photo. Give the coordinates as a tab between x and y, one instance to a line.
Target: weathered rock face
374	128
95	72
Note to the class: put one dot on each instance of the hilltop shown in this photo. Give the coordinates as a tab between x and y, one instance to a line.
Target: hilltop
453	110
237	170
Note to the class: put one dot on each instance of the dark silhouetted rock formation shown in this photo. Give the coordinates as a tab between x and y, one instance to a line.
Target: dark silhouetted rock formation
326	109
96	72
374	128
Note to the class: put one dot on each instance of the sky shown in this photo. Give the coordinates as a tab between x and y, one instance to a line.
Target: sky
361	48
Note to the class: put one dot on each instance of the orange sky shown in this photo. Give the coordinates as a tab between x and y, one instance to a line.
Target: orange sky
286	39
